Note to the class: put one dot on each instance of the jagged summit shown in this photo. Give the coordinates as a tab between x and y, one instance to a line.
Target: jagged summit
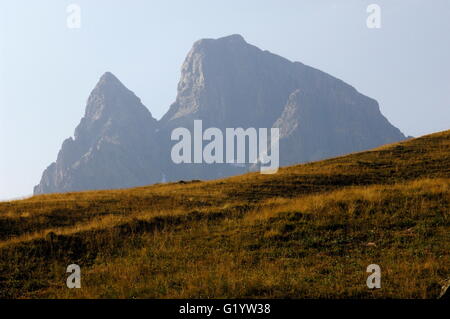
113	144
111	95
108	77
109	84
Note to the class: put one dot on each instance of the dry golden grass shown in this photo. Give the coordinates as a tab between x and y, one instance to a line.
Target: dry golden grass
309	231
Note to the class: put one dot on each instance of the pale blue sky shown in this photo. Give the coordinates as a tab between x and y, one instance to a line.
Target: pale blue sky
47	70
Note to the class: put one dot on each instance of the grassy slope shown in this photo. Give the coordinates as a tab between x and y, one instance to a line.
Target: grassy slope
308	231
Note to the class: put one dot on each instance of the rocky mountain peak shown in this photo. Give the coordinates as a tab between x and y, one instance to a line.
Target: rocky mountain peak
108	79
111	104
113	144
221	79
111	96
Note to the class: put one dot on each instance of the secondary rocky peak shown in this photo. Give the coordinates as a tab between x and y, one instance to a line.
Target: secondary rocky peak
109	84
114	144
108	77
111	95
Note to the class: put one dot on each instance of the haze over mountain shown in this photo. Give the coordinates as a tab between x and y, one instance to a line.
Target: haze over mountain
224	82
114	145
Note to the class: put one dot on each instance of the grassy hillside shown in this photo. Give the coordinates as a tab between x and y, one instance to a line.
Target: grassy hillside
309	231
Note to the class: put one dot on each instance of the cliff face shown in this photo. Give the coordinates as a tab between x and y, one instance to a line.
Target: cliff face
225	83
318	125
229	83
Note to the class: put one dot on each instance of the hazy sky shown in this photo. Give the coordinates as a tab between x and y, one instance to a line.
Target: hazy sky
48	70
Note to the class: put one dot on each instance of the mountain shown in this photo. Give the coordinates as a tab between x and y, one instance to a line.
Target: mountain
226	83
114	146
230	83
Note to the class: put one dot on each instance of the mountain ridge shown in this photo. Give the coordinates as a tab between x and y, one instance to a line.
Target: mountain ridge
225	82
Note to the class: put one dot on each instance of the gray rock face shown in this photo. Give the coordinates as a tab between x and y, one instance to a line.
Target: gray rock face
224	82
114	145
317	125
229	83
